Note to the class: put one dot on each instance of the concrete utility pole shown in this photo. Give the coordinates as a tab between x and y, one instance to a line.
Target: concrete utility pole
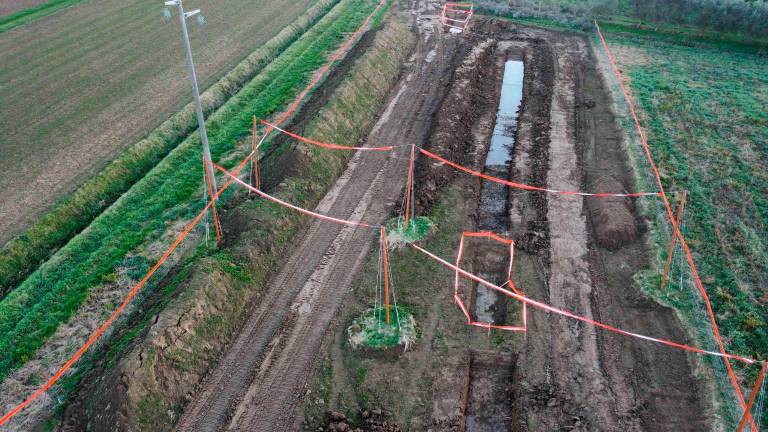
196	92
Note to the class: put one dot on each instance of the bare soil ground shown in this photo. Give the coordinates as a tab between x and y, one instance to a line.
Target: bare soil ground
80	86
566	376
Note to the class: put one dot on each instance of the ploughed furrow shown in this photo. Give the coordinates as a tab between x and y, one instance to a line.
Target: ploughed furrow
262	377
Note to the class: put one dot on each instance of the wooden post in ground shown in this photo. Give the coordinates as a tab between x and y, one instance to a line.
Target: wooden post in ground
673	242
255	157
408	188
755	390
386	270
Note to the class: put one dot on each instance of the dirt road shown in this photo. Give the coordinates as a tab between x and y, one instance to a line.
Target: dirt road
262	377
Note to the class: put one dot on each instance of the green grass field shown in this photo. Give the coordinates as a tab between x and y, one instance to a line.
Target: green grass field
115	243
703	107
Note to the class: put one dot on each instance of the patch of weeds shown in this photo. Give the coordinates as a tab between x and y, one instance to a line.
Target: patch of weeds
371	330
399	235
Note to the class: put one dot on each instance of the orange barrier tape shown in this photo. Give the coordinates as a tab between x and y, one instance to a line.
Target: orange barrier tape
127	299
457	298
109	321
672	243
689	256
289	205
525	186
552	309
755	390
323	144
464	169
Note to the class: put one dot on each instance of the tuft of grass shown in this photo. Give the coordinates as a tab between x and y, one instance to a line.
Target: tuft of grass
399	235
371	330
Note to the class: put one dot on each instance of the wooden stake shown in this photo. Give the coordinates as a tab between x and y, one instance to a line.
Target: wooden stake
408	188
673	242
386	270
752	398
255	158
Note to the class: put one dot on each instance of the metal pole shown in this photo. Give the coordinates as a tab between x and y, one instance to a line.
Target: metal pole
196	94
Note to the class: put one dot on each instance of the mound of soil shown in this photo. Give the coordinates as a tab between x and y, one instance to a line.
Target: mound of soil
373	421
613	222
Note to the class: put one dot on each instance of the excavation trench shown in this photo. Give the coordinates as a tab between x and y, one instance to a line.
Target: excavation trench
493	207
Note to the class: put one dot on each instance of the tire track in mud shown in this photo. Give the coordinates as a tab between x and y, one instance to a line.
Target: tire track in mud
247	392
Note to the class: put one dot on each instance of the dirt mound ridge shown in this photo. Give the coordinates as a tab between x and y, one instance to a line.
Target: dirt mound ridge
612	218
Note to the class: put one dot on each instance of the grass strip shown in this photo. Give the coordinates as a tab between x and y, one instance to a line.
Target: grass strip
30	314
31	14
703	107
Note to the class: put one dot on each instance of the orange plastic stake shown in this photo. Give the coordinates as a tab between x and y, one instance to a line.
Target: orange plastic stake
386	270
408	187
255	155
213	202
755	390
673	242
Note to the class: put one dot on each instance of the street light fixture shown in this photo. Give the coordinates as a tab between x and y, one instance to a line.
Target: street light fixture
212	189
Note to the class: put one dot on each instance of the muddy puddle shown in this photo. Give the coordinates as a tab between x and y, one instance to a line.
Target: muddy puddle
492	212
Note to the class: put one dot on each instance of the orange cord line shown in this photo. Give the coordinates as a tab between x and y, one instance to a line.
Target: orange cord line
213	200
386	269
323	144
688	254
525	186
127	299
255	156
672	242
755	390
289	205
408	187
